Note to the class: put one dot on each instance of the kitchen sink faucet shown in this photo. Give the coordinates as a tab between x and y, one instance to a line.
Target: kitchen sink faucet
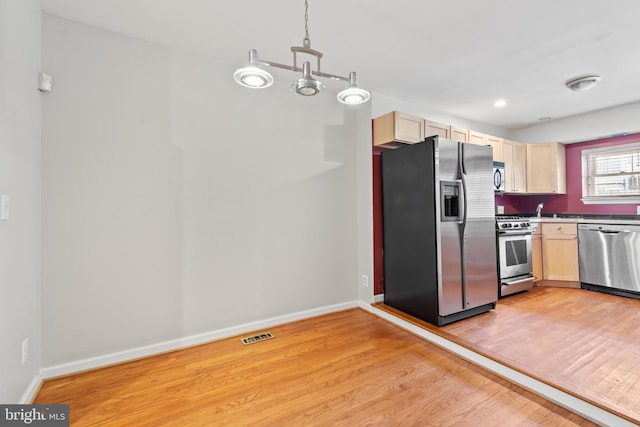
539	209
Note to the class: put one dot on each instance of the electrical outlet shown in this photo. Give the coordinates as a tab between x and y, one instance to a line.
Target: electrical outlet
365	280
500	210
25	350
637	209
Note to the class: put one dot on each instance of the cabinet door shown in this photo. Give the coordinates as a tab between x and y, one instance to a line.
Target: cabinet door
546	168
560	251
477	138
536	256
493	141
397	127
560	257
509	166
435	128
497	145
515	166
459	134
409	128
519	168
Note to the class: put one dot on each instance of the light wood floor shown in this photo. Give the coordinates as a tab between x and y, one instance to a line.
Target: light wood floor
344	369
583	342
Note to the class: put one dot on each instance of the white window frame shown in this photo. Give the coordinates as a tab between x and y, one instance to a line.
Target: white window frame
605	200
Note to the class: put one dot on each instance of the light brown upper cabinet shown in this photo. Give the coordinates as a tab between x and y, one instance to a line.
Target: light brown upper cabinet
398	127
496	144
477	138
515	166
435	128
493	141
546	168
459	134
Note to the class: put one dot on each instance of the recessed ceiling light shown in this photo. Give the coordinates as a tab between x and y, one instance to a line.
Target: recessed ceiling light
500	103
583	83
544	118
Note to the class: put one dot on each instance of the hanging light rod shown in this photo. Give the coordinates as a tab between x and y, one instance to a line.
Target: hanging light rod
252	76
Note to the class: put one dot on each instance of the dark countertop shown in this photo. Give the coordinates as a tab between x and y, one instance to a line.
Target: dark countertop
580	218
584	216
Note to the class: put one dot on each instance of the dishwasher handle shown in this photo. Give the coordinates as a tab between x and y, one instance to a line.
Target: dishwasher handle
609	228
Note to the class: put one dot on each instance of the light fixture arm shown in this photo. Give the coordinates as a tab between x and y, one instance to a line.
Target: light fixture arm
307	50
295	66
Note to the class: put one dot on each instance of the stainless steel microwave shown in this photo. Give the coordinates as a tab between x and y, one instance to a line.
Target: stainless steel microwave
498	176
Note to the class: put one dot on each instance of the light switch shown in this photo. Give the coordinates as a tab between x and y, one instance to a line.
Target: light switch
4	210
638	210
500	210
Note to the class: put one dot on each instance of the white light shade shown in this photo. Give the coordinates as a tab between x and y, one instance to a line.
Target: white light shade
253	77
307	85
353	94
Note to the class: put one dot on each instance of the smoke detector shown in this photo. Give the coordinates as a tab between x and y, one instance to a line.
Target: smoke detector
582	83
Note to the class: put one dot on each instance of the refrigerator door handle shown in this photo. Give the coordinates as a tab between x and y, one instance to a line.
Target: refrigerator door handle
463	170
463	224
463	203
463	188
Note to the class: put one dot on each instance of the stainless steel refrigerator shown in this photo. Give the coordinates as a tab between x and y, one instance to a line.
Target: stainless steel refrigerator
439	238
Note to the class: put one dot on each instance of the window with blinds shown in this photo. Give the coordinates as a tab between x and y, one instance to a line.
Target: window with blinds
611	175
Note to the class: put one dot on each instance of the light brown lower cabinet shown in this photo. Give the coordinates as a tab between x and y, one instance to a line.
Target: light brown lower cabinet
560	251
536	254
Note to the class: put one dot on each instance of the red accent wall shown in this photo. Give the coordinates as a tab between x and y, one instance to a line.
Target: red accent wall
378	273
570	203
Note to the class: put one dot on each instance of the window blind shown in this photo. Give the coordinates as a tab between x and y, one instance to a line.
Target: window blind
612	172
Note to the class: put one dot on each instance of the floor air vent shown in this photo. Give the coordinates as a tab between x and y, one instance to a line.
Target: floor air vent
257	338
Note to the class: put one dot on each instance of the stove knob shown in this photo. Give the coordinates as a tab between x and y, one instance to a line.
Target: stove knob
524	224
516	225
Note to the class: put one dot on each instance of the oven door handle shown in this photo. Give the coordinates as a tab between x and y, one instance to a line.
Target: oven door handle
515	232
526	279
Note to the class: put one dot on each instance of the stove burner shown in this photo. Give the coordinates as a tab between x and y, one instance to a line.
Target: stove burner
513	223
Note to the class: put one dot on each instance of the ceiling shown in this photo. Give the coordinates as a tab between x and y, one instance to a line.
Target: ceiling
453	56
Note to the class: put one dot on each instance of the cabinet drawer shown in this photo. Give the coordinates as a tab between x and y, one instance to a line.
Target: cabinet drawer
556	228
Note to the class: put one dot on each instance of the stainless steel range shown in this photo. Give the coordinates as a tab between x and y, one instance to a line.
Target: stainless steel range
514	254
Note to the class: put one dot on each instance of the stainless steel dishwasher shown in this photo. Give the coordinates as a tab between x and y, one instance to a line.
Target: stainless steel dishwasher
609	257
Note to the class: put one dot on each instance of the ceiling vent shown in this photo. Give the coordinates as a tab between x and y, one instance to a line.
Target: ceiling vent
583	83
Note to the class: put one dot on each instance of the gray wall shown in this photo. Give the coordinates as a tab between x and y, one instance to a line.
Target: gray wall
20	271
176	202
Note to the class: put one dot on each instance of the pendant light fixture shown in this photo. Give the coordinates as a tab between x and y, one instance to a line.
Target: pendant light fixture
253	76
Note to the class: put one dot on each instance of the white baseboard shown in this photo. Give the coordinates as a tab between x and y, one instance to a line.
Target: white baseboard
189	341
378	298
32	390
559	397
